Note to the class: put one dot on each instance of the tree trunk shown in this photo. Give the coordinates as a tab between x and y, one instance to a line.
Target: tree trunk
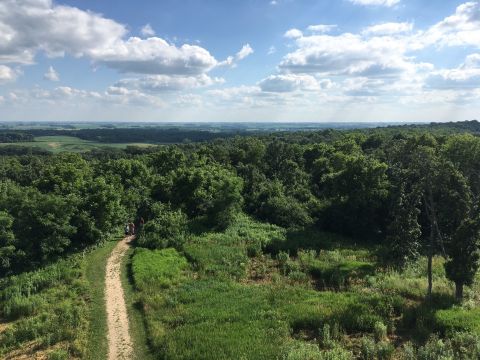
429	273
459	291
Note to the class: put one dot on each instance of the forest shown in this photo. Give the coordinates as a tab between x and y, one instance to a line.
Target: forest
330	244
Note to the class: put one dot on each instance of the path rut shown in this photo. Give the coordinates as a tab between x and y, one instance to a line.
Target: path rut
120	346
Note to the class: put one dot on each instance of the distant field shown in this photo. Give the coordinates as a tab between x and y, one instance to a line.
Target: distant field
70	143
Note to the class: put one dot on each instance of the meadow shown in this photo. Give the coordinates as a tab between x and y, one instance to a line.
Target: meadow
57	144
329	302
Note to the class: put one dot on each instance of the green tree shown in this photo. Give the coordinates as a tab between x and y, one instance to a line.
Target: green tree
463	256
404	232
166	228
8	252
207	192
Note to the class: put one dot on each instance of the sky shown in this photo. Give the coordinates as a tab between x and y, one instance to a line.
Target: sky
239	60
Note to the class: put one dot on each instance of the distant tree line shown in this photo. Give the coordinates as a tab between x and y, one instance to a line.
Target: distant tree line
13	137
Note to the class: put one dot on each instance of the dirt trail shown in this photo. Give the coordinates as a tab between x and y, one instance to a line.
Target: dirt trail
119	342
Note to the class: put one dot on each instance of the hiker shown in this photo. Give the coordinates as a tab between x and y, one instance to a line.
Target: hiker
127	229
131	228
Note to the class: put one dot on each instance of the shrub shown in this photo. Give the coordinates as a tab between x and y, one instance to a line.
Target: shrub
167	229
380	331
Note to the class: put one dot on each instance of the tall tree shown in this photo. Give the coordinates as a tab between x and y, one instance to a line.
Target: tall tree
463	256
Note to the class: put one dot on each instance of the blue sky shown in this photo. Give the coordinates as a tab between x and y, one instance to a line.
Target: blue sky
239	60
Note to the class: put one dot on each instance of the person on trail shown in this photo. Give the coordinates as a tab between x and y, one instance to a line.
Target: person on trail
127	229
132	228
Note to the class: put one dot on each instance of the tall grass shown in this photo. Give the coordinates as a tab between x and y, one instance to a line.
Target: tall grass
48	306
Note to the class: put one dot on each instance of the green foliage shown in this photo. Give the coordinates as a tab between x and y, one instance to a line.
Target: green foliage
157	269
166	229
458	319
48	307
333	269
298	350
463	262
209	192
226	254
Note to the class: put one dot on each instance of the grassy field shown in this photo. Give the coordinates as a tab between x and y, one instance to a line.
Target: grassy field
245	298
135	314
58	144
57	312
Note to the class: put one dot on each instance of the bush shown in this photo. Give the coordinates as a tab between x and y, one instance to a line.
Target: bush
167	229
380	331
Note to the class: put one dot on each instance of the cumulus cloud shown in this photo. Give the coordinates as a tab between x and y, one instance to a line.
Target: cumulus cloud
347	54
165	83
466	76
147	30
459	29
30	26
51	74
293	34
321	28
155	56
7	74
389	28
388	3
288	83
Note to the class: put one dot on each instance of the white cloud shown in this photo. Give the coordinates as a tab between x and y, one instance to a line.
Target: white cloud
231	61
293	34
388	28
321	28
147	31
164	83
245	51
271	50
288	83
466	76
29	26
155	56
388	3
347	54
7	74
459	29
65	97
51	75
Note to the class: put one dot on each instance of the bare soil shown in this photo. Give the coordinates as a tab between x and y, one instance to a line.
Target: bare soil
120	346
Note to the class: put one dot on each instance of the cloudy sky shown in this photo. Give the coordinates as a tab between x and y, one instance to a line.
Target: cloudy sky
240	60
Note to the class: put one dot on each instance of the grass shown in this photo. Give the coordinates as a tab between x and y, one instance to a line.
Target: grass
459	319
58	144
58	312
251	293
138	331
157	268
46	311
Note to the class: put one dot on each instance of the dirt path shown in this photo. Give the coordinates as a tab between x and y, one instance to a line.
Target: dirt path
119	341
